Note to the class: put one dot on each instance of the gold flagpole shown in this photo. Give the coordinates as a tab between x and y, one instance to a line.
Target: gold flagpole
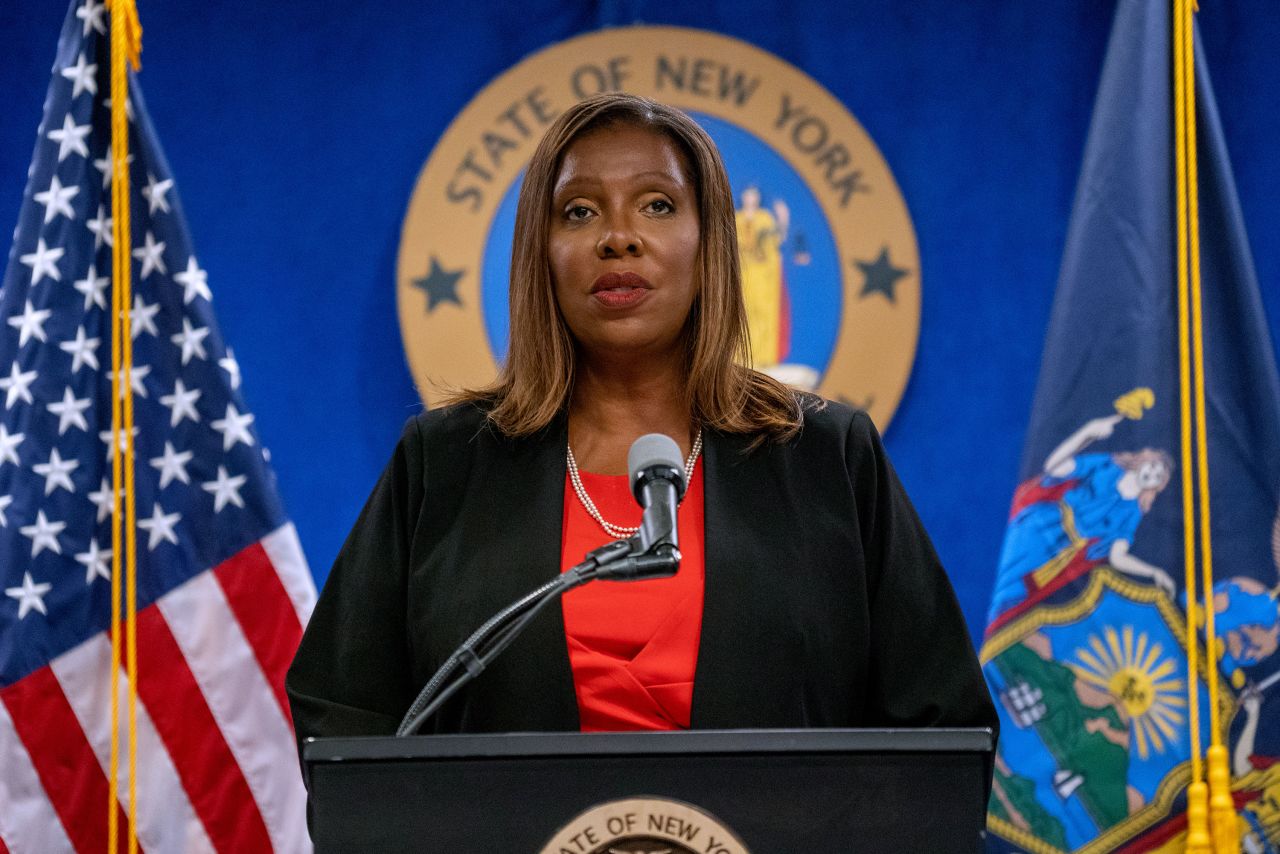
1198	838
1222	813
1209	804
126	44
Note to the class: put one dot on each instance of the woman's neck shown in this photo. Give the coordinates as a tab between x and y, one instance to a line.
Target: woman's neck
613	406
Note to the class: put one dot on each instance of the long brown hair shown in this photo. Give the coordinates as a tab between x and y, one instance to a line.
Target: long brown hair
535	383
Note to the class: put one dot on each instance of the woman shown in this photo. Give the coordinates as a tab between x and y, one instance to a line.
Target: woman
809	594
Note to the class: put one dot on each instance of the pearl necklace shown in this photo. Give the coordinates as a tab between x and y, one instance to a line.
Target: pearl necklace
621	532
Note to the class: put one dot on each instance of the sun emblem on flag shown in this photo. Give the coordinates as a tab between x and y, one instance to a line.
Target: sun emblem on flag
1142	678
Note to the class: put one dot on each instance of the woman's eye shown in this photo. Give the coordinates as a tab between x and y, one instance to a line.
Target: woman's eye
577	212
661	206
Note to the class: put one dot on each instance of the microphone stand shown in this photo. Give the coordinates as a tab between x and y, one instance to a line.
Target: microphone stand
621	560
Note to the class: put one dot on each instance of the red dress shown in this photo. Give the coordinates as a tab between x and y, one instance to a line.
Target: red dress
633	646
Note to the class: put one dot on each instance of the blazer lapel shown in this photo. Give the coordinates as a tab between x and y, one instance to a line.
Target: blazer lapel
529	498
737	654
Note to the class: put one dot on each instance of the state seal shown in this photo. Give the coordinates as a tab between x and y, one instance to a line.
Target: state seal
830	265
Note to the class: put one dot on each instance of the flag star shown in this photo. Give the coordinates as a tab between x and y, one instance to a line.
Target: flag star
94	288
151	257
136	375
70	138
107	167
43	534
57	200
95	562
91	14
154	193
70	411
232	367
225	489
81	350
81	77
191	341
102	498
142	318
105	436
160	527
172	464
43	262
101	228
30	595
30	323
195	282
128	108
9	443
57	472
17	385
234	428
182	402
5	501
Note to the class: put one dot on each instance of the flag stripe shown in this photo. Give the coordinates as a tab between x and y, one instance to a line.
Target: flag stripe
285	550
243	704
209	773
63	759
166	820
27	819
265	613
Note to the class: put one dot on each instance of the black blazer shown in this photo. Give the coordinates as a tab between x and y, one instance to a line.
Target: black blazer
825	604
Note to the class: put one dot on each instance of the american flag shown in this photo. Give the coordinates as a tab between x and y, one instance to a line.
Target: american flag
223	587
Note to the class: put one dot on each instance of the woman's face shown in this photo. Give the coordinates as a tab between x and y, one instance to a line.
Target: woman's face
623	242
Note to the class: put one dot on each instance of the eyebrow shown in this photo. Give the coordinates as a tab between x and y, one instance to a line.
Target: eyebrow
650	175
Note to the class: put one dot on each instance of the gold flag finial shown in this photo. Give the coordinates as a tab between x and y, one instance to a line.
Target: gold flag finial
1134	404
132	32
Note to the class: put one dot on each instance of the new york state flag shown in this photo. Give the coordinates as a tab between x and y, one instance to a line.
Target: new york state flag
1086	648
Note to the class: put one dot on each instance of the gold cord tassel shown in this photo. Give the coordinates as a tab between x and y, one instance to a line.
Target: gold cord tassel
1198	839
1212	823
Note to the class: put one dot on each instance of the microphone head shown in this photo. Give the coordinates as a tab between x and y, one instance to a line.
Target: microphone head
655	450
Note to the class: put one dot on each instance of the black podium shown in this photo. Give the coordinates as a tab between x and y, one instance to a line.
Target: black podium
711	792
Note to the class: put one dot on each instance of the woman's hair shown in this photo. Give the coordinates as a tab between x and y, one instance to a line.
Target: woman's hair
1134	460
536	381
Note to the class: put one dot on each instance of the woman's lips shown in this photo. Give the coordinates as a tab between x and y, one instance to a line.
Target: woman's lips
620	297
619	290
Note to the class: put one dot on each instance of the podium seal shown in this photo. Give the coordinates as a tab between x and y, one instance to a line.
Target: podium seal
645	826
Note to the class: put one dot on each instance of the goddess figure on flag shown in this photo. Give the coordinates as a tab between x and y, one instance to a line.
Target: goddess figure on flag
1082	510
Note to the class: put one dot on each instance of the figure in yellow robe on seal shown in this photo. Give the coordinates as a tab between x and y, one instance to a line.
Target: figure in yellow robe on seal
760	237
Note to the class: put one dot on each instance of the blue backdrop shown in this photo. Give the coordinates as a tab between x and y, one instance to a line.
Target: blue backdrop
295	131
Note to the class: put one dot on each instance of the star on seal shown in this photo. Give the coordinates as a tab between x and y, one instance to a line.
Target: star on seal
440	285
880	276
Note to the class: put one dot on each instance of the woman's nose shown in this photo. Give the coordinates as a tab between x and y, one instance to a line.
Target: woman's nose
619	238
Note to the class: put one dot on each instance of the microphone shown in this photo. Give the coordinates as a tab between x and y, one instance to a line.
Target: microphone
658	483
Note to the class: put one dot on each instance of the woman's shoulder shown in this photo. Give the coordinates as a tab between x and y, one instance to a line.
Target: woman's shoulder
455	421
459	429
825	420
